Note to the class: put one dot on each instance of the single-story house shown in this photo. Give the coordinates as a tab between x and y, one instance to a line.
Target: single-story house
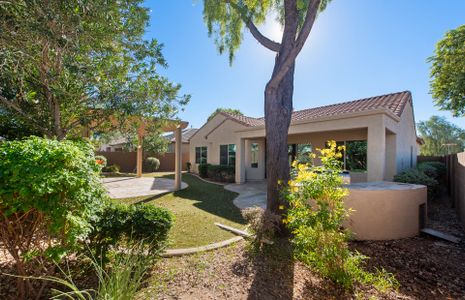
119	144
379	134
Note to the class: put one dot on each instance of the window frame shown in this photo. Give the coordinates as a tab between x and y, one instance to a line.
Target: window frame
200	152
228	154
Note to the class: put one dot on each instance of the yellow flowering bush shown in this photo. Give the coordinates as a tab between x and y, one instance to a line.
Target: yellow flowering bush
315	216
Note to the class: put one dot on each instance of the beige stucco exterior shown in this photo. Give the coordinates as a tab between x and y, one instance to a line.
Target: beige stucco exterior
386	212
391	141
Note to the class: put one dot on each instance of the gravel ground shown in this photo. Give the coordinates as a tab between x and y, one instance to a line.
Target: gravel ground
426	268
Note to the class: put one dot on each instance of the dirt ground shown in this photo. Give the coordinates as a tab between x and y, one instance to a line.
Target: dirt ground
426	268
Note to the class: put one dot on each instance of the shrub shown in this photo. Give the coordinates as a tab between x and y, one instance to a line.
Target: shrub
428	170
315	217
122	222
153	163
111	168
221	173
101	160
188	167
120	282
203	170
438	166
50	192
415	176
262	223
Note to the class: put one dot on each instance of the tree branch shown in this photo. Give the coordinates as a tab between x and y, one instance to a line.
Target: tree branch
288	61
16	108
265	41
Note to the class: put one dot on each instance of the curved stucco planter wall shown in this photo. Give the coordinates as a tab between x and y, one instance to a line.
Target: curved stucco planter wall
386	210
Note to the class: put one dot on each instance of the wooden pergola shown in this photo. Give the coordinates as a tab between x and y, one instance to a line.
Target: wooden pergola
165	125
168	125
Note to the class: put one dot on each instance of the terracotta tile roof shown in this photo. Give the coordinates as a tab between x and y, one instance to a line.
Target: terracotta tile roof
244	120
394	102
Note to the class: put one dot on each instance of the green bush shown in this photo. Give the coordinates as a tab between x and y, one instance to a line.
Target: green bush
203	170
415	176
50	193
315	217
438	166
111	168
188	167
152	163
121	222
428	170
101	160
221	173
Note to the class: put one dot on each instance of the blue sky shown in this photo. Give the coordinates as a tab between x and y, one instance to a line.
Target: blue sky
357	48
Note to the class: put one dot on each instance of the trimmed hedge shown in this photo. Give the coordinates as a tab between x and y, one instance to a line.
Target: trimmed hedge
416	176
140	222
152	163
221	173
203	170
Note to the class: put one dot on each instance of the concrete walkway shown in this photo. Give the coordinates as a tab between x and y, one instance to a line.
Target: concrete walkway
127	187
250	194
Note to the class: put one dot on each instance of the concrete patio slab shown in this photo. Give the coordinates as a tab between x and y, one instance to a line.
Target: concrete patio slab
251	194
127	187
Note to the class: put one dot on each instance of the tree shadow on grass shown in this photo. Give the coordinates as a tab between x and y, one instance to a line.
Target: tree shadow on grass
209	197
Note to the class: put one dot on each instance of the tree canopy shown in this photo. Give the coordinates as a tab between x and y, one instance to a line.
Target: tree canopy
448	72
436	133
73	64
227	110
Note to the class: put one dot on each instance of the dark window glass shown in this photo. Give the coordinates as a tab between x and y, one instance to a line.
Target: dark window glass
200	155
232	154
223	154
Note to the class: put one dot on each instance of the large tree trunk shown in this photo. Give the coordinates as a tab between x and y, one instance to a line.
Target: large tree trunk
278	112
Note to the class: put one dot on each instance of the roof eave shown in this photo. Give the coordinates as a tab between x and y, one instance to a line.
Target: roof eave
376	111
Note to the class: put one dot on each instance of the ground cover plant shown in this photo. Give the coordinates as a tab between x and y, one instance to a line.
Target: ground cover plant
50	192
315	217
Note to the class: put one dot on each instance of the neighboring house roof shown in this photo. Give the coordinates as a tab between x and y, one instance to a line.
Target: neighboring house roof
186	135
394	102
118	141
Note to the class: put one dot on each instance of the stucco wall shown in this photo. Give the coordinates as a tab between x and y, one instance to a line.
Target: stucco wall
219	131
406	140
385	214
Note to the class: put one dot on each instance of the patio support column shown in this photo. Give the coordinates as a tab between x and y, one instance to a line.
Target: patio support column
376	151
177	158
240	161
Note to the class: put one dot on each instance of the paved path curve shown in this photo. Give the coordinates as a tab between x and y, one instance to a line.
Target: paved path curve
127	187
250	194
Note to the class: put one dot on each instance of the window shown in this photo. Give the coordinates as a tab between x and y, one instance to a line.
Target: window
299	152
228	155
201	155
355	155
254	155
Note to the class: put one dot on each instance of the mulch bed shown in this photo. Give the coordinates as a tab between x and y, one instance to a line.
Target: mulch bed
426	268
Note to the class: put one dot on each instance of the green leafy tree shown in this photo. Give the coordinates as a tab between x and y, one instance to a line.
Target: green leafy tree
226	20
73	65
50	192
448	72
226	110
440	137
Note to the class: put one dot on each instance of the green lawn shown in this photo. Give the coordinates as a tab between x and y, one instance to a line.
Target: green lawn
196	208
